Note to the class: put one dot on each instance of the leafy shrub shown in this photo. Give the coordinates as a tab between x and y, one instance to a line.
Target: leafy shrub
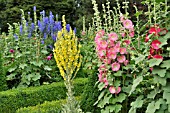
11	100
3	85
46	107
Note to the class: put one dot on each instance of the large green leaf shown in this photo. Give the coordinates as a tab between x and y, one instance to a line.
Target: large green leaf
139	59
136	82
138	102
120	98
153	93
166	96
159	71
100	96
11	76
22	66
36	77
154	62
47	68
165	64
160	80
101	86
12	69
104	101
119	73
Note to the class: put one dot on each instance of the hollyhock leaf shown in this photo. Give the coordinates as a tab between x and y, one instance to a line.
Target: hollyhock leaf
166	96
136	82
36	77
154	62
118	108
11	76
165	64
104	101
12	69
160	72
151	107
167	36
138	102
44	51
160	80
153	93
120	98
117	83
163	42
119	73
101	86
139	59
100	97
22	66
47	68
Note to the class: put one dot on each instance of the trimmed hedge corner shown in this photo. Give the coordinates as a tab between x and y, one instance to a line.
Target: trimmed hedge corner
46	107
12	100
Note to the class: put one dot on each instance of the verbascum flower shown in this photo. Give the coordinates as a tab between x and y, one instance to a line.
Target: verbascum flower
67	52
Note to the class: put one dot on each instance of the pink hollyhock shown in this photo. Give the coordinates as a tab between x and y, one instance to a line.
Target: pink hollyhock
49	57
123	50
149	56
11	51
102	68
112	55
107	61
103	44
100	77
121	58
113	36
105	82
154	30
122	18
128	24
117	47
123	34
127	42
126	62
101	53
115	66
112	89
158	57
111	44
83	33
151	68
146	38
101	33
132	34
118	90
97	39
155	44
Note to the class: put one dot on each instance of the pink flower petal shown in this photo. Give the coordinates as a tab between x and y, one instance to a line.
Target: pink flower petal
112	89
115	66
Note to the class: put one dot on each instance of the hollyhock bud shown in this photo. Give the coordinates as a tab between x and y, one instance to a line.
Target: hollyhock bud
11	51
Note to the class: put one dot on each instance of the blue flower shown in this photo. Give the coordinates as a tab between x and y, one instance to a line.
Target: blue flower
34	8
29	35
42	41
32	27
21	29
59	27
75	30
28	13
15	36
68	27
45	35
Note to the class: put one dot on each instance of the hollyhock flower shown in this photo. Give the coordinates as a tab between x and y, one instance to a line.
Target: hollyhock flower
149	56
112	55
105	82
112	89
123	34
128	24
49	57
101	33
123	50
100	77
132	34
121	58
115	66
117	47
155	44
103	44
151	68
152	51
97	39
11	51
83	33
154	30
101	53
127	42
118	90
107	61
146	38
158	57
126	62
102	68
113	36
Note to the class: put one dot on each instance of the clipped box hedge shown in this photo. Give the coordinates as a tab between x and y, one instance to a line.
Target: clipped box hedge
12	100
46	107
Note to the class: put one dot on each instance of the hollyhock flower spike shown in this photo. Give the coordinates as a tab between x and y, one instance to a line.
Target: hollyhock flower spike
155	44
115	66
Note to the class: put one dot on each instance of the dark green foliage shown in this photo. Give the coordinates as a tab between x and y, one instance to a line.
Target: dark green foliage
46	107
3	85
90	95
10	9
12	100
